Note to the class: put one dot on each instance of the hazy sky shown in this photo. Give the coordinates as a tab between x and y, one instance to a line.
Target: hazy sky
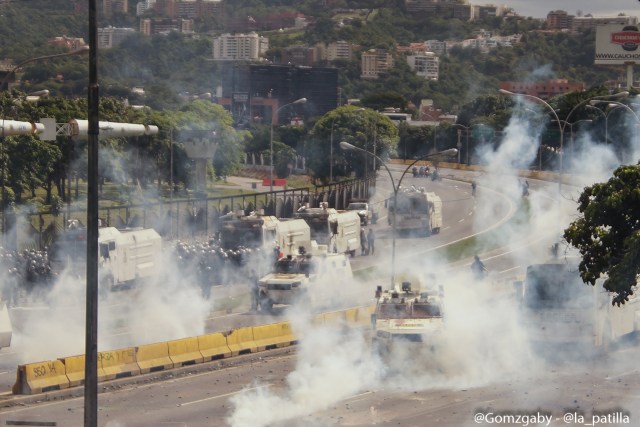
540	8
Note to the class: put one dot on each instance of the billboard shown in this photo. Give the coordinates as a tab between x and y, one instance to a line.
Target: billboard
617	44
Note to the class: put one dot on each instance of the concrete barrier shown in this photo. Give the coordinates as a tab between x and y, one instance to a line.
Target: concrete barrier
213	346
351	316
240	341
267	337
334	317
40	377
363	315
185	352
119	363
153	357
74	369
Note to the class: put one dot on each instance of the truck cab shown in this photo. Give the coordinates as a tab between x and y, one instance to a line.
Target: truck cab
406	315
294	278
364	210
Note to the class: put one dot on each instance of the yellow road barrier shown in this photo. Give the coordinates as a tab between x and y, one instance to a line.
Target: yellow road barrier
40	377
240	341
185	352
267	337
153	357
119	363
213	346
363	315
74	368
334	317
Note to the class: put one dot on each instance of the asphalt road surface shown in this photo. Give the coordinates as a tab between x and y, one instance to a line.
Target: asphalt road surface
335	380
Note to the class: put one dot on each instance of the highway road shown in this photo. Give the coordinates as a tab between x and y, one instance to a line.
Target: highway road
334	380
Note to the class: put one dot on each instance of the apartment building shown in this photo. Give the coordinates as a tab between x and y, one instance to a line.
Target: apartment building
436	46
299	55
69	43
375	62
338	50
109	7
109	37
149	26
254	93
143	6
543	89
559	20
425	65
581	23
191	9
245	47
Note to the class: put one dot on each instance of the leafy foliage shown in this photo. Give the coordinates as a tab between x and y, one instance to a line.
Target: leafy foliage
608	232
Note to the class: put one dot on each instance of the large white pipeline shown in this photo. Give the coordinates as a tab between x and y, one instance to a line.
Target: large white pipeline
80	129
14	127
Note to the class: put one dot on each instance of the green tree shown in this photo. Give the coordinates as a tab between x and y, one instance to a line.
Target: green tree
607	233
361	127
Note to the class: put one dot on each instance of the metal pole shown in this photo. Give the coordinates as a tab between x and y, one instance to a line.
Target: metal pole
459	143
91	343
271	154
274	116
467	149
331	154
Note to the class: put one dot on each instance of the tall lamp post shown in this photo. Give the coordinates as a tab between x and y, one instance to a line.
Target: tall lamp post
4	81
333	122
345	146
565	123
273	119
467	129
613	105
606	118
91	313
546	104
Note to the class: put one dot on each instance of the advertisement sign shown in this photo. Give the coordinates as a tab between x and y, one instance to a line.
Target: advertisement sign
617	44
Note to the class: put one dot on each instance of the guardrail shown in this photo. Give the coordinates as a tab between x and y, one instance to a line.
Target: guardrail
67	372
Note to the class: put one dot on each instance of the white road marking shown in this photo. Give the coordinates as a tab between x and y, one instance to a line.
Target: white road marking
624	374
509	269
224	395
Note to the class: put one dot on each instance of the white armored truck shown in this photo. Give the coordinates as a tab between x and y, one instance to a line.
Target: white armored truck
407	315
418	211
124	256
300	278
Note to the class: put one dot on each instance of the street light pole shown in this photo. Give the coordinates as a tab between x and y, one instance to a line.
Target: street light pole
565	123
613	105
557	119
91	331
331	153
396	187
273	118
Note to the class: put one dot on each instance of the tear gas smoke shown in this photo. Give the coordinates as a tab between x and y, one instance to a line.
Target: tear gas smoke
168	306
485	338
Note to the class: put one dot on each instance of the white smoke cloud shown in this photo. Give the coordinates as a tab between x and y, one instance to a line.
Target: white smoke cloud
166	307
485	340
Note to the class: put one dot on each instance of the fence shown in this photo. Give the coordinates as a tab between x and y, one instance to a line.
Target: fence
186	218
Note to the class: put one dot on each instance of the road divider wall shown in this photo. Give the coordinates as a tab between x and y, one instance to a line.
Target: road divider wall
118	363
42	377
213	346
240	341
276	335
185	352
153	357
